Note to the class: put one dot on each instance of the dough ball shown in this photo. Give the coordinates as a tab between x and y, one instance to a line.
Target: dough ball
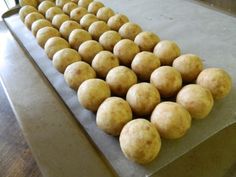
144	63
140	141
105	13
59	19
89	49
113	114
61	3
46	33
25	10
78	72
31	18
33	3
126	50
217	81
38	24
92	93
196	99
171	119
146	41
87	20
52	11
130	30
96	29
77	13
167	51
64	58
55	44
67	27
116	21
94	6
84	3
68	7
109	40
103	62
77	37
44	6
167	80
143	98
120	79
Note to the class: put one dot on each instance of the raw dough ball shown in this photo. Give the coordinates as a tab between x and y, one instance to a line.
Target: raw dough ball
33	3
144	63
25	10
140	141
96	29
130	30
167	80
59	19
125	50
78	72
196	99
77	13
87	20
68	7
67	27
120	79
113	114
31	18
64	58
146	41
105	13
103	62
84	3
92	93
116	21
89	49
55	44
61	3
52	11
46	33
41	23
217	81
171	119
44	6
167	51
109	40
77	37
143	98
94	6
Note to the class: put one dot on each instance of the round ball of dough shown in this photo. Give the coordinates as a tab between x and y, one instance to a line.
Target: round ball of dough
84	3
143	98
89	49
126	50
87	20
94	6
61	3
103	62
217	81
78	72
77	37
146	40
33	3
167	51
38	24
120	79
196	99
116	21
109	40
25	10
55	44
171	119
167	80
67	27
105	13
92	93
68	7
96	29
52	11
113	114
31	18
144	63
130	30
46	33
64	58
59	19
44	6
140	141
77	13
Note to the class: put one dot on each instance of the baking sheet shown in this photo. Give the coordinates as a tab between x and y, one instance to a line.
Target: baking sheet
213	37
